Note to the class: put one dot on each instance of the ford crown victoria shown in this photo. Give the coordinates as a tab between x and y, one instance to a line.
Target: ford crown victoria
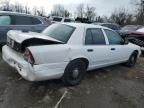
66	51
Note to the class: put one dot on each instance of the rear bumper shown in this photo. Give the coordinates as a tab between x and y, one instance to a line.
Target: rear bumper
29	72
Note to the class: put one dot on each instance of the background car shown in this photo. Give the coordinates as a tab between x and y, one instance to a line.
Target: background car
18	21
112	26
54	19
129	28
141	29
136	37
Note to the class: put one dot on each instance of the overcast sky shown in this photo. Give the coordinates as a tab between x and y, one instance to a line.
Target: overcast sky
103	7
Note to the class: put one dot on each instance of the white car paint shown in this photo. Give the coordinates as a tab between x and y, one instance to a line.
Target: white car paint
51	60
141	30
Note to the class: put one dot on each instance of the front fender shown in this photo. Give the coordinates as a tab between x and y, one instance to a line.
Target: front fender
49	53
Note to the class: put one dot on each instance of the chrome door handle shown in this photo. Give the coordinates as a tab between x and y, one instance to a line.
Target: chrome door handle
113	49
90	50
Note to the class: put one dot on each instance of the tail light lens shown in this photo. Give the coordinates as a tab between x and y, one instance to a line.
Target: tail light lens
28	56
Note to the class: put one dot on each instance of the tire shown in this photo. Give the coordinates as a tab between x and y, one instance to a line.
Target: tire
142	53
74	72
132	60
1	46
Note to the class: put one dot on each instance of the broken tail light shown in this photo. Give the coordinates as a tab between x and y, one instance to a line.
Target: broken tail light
28	56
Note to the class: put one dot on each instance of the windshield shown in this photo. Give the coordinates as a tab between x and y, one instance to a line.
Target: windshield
59	32
67	20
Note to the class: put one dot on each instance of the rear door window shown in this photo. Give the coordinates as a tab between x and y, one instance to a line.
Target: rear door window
57	19
5	20
89	37
98	37
21	20
94	37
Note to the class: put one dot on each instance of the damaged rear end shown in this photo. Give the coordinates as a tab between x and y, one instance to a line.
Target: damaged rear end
30	54
18	40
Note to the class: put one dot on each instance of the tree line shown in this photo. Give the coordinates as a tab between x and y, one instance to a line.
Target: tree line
120	16
21	8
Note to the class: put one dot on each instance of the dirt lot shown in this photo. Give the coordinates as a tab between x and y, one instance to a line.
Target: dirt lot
112	87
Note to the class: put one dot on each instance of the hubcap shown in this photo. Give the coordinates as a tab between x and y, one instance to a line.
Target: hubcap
75	73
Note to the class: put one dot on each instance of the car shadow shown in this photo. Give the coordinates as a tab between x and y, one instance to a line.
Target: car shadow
58	84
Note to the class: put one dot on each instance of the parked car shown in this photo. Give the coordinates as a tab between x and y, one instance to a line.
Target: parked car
129	28
82	20
66	51
141	29
18	21
136	37
54	19
112	26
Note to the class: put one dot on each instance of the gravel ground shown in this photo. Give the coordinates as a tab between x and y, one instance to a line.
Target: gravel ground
111	87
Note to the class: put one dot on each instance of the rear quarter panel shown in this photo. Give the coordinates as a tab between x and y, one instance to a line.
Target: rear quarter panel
50	53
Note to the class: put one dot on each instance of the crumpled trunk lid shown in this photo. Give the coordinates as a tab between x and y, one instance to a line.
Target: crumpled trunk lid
19	40
20	36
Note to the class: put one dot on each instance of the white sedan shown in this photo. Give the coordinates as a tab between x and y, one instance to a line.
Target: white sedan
66	51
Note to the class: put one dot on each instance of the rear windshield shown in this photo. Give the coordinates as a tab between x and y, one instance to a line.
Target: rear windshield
57	19
67	20
59	32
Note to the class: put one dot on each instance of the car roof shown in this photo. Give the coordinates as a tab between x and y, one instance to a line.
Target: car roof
132	25
60	17
105	23
77	25
17	13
